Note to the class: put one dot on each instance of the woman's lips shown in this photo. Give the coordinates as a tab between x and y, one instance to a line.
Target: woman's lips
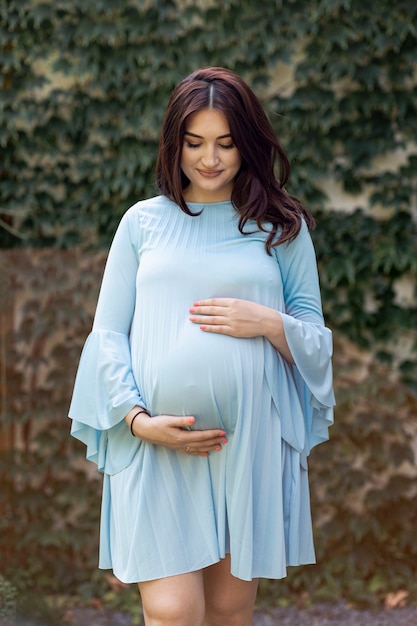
209	173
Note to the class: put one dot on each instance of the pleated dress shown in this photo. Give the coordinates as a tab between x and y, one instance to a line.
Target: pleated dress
165	512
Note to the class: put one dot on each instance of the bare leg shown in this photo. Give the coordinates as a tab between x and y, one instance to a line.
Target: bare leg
174	601
229	600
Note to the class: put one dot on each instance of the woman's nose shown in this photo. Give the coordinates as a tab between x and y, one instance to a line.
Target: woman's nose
210	158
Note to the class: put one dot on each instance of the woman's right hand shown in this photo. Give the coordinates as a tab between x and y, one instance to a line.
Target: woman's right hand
173	432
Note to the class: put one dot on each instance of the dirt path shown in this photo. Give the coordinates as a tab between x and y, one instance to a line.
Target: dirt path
336	615
317	615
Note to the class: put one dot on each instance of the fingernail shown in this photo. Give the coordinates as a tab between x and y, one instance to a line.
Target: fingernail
222	433
191	420
192	311
224	441
196	304
218	448
203	327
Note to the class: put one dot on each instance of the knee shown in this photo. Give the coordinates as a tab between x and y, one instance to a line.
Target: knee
172	611
220	614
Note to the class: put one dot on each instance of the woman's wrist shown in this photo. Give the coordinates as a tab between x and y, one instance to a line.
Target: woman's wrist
274	332
131	417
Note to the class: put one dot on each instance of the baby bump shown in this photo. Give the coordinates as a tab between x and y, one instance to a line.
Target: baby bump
201	376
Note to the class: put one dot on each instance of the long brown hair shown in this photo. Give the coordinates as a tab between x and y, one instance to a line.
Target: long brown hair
258	193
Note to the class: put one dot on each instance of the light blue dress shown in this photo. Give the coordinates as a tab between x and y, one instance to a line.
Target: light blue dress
165	512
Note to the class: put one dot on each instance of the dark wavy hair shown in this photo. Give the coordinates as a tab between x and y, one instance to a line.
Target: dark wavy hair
258	192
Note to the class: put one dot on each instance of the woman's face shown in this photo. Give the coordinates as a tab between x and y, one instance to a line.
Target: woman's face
209	158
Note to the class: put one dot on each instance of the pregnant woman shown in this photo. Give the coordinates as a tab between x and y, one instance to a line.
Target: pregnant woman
206	379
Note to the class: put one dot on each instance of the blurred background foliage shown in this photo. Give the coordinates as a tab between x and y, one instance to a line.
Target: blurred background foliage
84	88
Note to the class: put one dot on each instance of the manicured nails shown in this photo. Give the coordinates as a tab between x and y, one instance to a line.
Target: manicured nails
191	420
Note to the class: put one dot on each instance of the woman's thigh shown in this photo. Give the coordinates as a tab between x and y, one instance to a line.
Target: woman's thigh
174	601
229	600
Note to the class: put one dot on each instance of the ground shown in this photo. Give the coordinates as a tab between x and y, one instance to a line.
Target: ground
338	614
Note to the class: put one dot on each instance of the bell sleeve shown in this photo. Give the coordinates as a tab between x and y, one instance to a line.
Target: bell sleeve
310	342
105	389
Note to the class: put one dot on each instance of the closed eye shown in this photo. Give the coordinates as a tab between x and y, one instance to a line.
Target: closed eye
192	145
228	146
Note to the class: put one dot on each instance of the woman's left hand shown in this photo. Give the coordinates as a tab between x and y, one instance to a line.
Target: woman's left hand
241	318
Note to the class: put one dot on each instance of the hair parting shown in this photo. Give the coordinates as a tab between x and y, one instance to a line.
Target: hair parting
259	193
211	90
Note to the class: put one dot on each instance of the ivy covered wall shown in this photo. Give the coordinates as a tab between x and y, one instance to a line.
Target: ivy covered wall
85	83
88	79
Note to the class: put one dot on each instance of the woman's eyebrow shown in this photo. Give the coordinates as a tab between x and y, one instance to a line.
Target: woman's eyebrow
200	137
